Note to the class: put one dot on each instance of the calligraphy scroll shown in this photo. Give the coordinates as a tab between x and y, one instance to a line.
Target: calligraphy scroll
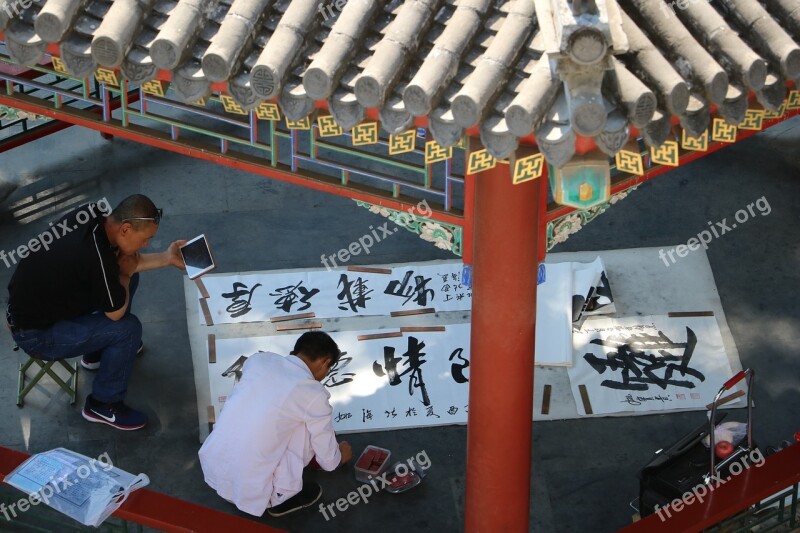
648	363
261	296
417	379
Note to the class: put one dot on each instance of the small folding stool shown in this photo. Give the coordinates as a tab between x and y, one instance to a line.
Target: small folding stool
70	386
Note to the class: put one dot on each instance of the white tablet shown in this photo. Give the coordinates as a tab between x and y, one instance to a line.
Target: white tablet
197	257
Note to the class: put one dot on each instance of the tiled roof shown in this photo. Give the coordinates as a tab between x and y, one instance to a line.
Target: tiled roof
553	68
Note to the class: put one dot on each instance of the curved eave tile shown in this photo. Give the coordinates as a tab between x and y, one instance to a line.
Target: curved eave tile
462	63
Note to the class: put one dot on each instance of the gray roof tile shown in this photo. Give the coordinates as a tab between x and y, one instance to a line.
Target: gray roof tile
501	65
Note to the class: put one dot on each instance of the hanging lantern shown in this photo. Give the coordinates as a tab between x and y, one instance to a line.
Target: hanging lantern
583	182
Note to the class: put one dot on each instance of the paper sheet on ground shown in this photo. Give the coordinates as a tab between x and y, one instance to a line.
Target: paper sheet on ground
686	286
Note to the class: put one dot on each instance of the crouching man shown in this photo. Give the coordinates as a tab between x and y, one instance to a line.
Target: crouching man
276	420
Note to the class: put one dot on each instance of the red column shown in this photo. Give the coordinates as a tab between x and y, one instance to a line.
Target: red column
506	244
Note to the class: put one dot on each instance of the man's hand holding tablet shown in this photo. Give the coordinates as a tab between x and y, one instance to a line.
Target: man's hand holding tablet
197	257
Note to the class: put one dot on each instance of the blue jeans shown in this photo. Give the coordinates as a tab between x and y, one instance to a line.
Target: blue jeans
117	341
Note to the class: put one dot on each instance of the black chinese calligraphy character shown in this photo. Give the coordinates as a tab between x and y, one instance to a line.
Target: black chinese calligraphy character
600	295
411	412
639	368
235	369
429	412
419	292
366	414
391	414
414	360
239	307
353	293
453	410
390	362
342	416
289	296
333	379
457	369
630	400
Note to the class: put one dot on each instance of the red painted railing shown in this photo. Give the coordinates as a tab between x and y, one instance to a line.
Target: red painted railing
778	472
159	511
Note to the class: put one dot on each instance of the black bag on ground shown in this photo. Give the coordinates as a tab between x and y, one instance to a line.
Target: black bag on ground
674	471
685	464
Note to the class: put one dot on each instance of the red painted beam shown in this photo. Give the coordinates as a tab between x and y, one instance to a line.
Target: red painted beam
28	74
165	513
33	134
543	183
755	484
39	132
505	261
469	218
173	515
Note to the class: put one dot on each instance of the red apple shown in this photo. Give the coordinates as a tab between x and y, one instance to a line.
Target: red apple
723	449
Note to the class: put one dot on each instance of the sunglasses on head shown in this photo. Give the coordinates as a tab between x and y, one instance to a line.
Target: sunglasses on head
156	219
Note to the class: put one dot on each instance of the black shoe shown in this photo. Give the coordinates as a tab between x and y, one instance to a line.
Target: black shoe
115	414
308	496
91	361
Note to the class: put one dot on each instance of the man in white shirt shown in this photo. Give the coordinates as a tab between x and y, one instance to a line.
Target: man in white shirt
276	420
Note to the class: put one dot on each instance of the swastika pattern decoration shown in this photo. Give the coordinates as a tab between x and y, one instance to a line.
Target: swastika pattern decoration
268	111
402	143
366	133
666	154
231	106
528	168
753	120
629	161
697	144
480	160
434	152
328	126
107	76
723	132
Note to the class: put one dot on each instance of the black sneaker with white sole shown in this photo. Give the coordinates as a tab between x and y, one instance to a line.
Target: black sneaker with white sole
91	361
308	496
115	414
